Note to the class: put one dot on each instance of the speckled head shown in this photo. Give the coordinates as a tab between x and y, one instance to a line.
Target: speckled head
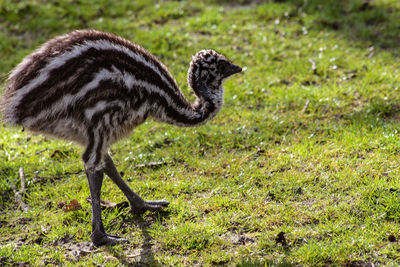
211	68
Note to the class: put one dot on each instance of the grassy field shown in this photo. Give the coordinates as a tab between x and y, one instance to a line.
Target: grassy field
301	166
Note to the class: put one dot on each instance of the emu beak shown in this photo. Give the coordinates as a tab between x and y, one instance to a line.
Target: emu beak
234	69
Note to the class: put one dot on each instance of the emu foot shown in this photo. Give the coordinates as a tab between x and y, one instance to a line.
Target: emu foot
103	239
149	205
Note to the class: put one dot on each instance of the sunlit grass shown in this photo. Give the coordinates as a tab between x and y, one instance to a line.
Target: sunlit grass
306	144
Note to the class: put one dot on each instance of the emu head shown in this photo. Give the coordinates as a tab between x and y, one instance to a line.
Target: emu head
208	69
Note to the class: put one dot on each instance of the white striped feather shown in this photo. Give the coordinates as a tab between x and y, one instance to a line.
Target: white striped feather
61	59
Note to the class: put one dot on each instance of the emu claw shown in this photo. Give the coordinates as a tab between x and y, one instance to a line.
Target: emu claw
162	203
150	205
103	239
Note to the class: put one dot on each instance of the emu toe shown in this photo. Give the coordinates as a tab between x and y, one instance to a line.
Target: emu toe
149	205
103	239
155	205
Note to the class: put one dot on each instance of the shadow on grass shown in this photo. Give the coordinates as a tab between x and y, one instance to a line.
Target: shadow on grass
146	256
364	21
376	113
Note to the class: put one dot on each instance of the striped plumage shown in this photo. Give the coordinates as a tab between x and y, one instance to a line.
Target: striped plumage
93	88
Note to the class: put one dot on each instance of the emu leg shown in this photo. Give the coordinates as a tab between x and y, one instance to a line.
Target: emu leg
99	236
138	205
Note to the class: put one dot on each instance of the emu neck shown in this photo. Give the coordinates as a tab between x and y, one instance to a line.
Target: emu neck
186	114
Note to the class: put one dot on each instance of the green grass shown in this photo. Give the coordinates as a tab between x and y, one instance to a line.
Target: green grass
312	152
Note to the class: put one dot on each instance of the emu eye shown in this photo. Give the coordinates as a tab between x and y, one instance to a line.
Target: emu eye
223	66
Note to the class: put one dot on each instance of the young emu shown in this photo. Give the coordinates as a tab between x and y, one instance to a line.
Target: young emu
93	88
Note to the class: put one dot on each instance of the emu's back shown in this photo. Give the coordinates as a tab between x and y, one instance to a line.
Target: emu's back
75	81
